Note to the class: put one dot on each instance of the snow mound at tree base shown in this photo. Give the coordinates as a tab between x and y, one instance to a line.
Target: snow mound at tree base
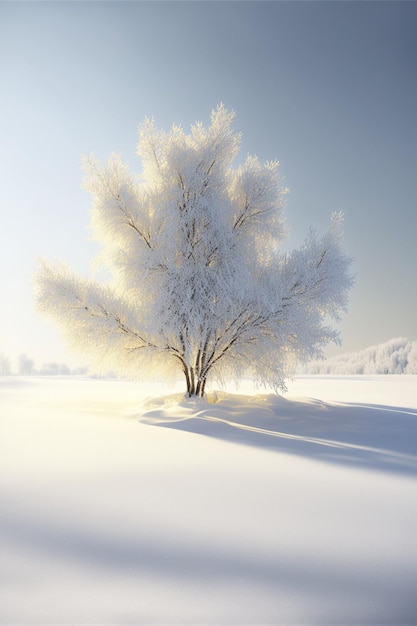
346	433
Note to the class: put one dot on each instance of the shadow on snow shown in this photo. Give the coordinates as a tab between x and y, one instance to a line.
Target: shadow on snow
147	557
374	437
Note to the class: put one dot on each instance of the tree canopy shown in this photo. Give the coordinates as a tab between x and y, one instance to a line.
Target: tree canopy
198	282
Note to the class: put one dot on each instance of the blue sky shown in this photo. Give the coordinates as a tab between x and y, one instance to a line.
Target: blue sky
327	88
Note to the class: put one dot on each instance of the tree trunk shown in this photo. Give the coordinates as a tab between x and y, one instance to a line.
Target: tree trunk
200	387
188	382
195	383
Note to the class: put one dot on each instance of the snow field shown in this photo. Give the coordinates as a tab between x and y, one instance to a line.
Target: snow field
122	510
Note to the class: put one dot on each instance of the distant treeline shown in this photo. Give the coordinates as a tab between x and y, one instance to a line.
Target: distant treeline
27	367
397	356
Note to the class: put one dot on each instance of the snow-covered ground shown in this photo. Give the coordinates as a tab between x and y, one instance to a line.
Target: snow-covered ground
247	510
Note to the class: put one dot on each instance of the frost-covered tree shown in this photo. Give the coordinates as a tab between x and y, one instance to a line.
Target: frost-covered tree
26	366
197	281
5	369
397	356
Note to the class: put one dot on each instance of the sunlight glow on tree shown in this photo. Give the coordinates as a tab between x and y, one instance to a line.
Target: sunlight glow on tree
198	282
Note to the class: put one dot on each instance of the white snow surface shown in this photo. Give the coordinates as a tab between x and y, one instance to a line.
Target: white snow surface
123	505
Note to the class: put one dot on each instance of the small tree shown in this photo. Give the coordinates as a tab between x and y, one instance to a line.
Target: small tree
26	366
198	282
5	369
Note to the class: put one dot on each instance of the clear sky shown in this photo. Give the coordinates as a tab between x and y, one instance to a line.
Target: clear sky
327	88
